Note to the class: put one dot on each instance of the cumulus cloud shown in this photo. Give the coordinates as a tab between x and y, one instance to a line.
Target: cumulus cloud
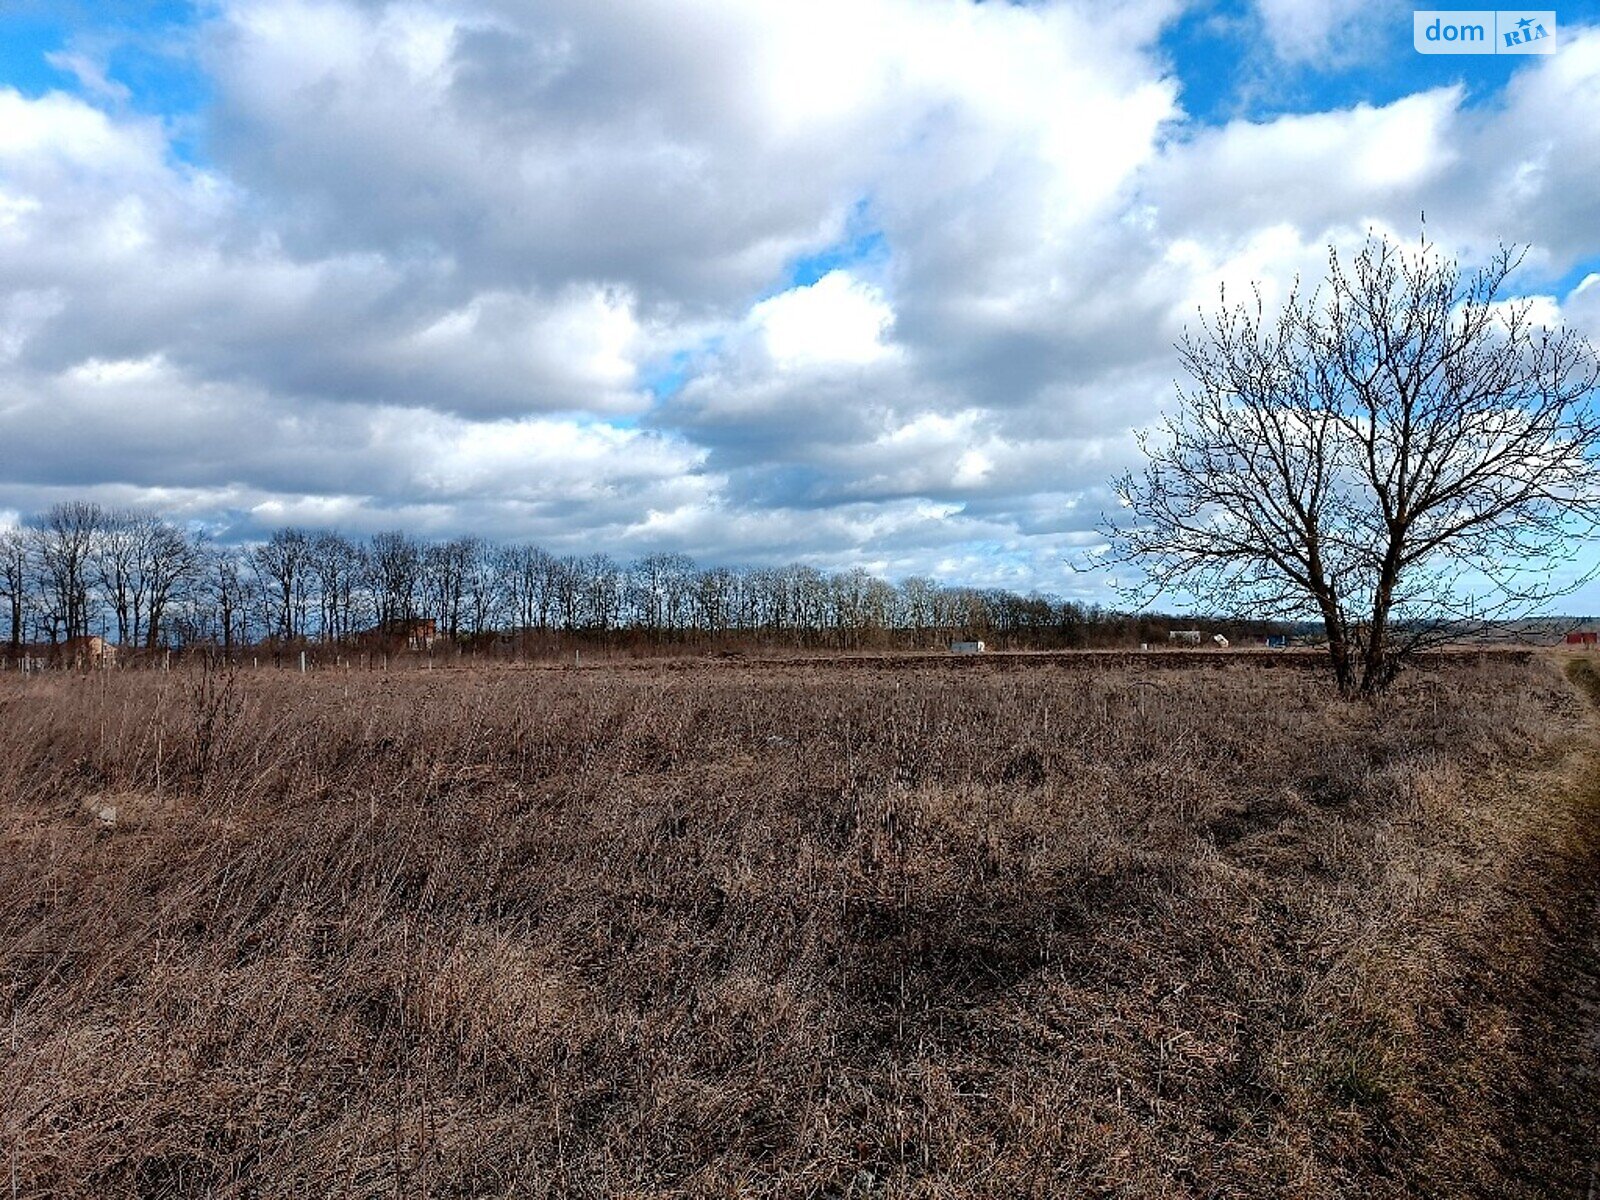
877	282
836	320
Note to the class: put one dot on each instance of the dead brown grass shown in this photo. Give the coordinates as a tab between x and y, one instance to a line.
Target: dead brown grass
791	932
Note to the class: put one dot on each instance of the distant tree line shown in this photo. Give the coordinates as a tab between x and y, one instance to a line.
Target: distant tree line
139	580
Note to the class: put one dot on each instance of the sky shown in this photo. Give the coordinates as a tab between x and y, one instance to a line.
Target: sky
876	283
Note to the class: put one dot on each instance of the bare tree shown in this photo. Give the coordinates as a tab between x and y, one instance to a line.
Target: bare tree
486	591
283	566
807	598
441	584
14	581
765	601
657	585
394	562
525	573
142	564
566	591
918	594
169	565
677	578
714	590
602	592
337	566
64	541
117	557
1395	454
227	590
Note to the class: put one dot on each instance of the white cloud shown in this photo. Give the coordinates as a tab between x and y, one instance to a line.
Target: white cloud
1326	33
836	320
441	250
1539	312
1582	307
96	372
41	136
90	74
1315	170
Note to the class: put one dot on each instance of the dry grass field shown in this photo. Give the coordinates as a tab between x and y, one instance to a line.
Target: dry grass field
793	931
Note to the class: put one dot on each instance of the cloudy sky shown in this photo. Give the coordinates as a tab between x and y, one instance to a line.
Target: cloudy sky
855	282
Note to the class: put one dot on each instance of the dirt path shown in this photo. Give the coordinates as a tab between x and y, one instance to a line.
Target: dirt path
1554	1141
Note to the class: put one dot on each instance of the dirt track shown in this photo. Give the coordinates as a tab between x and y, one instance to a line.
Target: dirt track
1023	660
1557	1142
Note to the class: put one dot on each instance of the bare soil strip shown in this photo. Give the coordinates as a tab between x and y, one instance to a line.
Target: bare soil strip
1557	1142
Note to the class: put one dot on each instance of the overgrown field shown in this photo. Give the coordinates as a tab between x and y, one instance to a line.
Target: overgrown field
795	932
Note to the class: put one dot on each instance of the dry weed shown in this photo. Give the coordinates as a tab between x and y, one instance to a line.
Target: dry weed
782	931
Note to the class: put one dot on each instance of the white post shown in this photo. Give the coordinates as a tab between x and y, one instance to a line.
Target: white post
302	662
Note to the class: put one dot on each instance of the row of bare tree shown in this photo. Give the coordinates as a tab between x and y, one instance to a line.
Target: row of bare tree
80	568
141	580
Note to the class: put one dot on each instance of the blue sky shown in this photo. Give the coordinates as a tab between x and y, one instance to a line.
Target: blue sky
885	283
145	47
1229	69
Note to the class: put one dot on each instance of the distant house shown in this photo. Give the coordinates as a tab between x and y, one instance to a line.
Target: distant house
418	634
91	651
1582	638
967	648
1186	637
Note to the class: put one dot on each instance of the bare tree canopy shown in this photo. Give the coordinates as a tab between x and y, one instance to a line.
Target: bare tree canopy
1393	454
